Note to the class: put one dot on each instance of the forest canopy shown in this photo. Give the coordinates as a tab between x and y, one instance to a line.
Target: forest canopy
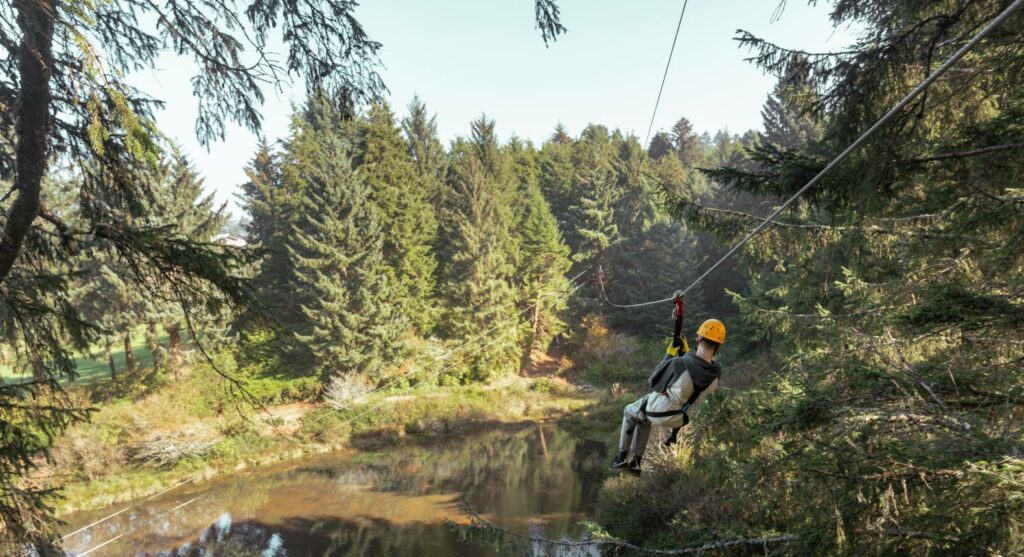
875	329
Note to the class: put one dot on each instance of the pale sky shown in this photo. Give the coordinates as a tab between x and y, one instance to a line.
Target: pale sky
470	57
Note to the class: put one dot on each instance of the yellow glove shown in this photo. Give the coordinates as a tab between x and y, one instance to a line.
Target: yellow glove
679	349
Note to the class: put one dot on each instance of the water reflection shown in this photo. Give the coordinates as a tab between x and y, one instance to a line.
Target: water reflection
537	481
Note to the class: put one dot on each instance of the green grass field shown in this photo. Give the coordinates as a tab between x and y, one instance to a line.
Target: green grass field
94	369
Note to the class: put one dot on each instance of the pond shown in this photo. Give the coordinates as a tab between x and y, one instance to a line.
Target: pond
537	480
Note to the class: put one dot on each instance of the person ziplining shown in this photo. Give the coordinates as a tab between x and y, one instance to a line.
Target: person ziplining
678	384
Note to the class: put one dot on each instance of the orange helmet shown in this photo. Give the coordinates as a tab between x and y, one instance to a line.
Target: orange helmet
713	330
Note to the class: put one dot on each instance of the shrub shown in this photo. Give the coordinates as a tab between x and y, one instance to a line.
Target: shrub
610	356
346	389
168	449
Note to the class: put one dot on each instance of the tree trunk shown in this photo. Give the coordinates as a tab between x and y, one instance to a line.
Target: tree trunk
536	324
38	369
110	359
35	60
174	339
153	343
129	357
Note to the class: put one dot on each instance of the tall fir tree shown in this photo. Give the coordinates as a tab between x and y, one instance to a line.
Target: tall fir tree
276	200
787	115
637	205
271	209
180	200
479	279
350	324
542	273
544	257
557	169
595	183
661	146
408	225
425	148
687	144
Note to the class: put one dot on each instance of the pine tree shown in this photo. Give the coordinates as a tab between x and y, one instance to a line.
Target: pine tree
426	149
545	263
555	162
272	213
595	182
544	258
637	205
258	195
337	251
180	200
408	224
661	145
687	144
788	121
479	280
560	135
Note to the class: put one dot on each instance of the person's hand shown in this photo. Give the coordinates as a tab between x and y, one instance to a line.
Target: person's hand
677	299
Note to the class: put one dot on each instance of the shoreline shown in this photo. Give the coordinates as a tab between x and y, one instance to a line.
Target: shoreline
416	418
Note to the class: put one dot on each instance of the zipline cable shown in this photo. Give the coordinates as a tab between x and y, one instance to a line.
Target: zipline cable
956	57
138	526
112	515
992	25
665	75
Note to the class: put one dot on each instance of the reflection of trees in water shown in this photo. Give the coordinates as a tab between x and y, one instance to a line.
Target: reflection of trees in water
510	476
533	481
225	539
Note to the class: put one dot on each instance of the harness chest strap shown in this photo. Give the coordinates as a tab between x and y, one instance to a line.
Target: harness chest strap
668	413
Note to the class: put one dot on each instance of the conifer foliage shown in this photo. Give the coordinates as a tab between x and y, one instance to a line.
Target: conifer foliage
371	237
482	265
403	194
337	253
66	103
896	296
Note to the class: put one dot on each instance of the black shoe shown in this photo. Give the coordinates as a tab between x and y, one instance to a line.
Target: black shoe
634	466
619	464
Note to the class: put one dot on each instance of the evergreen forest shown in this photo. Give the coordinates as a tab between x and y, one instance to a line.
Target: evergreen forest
379	286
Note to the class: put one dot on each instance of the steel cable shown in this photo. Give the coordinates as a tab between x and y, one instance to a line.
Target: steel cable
992	25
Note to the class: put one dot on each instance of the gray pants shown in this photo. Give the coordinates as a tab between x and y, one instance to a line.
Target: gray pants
636	430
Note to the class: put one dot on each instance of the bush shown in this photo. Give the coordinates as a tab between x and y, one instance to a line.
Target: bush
168	449
609	356
346	389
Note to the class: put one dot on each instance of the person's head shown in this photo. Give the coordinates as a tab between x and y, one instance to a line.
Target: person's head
712	334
